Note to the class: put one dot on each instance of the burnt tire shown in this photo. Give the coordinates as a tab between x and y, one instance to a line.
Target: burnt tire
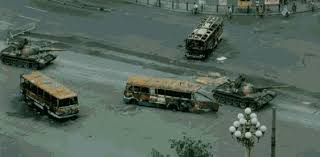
173	107
44	111
133	101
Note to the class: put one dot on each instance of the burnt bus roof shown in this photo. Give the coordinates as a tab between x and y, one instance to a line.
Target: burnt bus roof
163	83
205	29
49	85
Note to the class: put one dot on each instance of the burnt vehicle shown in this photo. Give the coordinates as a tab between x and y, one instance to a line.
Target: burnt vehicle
20	53
48	95
204	38
242	94
168	93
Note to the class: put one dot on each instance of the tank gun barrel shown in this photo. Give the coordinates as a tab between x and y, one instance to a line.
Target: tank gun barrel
271	87
50	49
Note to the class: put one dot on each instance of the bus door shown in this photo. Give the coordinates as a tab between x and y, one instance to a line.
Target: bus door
153	96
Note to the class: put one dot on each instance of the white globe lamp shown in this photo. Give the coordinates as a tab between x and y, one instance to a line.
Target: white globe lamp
248	135
237	134
236	124
253	115
254	121
263	128
258	133
247	111
232	129
240	116
243	121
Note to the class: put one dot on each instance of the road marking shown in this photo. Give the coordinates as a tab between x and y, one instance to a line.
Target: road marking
44	11
30	18
5	22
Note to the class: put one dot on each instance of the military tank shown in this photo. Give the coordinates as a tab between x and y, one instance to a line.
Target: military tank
20	53
242	94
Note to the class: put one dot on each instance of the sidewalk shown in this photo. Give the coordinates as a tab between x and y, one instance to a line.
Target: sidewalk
213	8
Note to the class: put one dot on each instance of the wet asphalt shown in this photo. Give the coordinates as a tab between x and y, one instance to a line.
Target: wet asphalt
103	49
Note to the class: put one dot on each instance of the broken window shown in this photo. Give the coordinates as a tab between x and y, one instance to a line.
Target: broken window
160	92
144	90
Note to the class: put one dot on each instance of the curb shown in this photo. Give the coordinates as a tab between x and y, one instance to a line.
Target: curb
222	14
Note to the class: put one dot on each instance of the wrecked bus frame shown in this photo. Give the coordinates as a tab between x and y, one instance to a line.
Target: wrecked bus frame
201	42
48	95
168	93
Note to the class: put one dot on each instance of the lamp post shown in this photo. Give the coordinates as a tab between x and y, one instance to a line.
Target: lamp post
247	130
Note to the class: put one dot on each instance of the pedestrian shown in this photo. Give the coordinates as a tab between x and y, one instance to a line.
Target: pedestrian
248	9
261	11
230	12
294	7
195	8
312	6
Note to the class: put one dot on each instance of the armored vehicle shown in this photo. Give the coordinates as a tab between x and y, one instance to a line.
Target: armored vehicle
241	94
20	53
201	42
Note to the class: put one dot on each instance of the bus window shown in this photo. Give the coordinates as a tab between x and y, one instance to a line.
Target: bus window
144	90
39	92
33	88
54	101
74	100
64	102
136	89
46	96
129	88
160	92
186	95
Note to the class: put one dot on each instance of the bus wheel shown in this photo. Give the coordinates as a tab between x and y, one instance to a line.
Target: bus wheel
173	107
133	101
45	110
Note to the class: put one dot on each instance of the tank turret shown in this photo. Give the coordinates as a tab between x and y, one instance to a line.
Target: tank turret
29	51
242	94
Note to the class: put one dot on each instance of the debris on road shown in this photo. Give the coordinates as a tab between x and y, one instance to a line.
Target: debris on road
306	102
221	59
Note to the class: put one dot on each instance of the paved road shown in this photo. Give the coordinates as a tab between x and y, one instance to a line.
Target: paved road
97	68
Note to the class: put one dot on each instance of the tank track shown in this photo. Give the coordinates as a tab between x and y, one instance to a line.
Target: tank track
24	63
254	104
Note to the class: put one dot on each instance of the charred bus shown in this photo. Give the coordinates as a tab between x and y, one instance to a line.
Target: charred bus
48	95
201	42
168	93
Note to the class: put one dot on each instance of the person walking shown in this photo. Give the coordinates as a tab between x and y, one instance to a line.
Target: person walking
229	12
195	8
312	5
261	11
294	7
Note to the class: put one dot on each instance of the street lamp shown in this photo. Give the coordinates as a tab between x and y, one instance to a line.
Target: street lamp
247	130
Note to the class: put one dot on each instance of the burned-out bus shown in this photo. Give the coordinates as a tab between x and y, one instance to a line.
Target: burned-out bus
48	95
204	38
168	93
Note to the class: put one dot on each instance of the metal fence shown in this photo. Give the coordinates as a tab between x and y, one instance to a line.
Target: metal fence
215	8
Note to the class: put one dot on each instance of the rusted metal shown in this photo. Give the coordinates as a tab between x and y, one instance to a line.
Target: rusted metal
49	85
204	38
168	93
163	83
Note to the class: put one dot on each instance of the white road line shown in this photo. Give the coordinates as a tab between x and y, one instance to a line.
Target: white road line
44	11
29	18
5	22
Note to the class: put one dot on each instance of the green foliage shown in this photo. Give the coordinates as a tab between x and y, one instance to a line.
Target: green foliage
189	147
156	153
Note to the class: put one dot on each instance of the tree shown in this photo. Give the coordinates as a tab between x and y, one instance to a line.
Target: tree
190	147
